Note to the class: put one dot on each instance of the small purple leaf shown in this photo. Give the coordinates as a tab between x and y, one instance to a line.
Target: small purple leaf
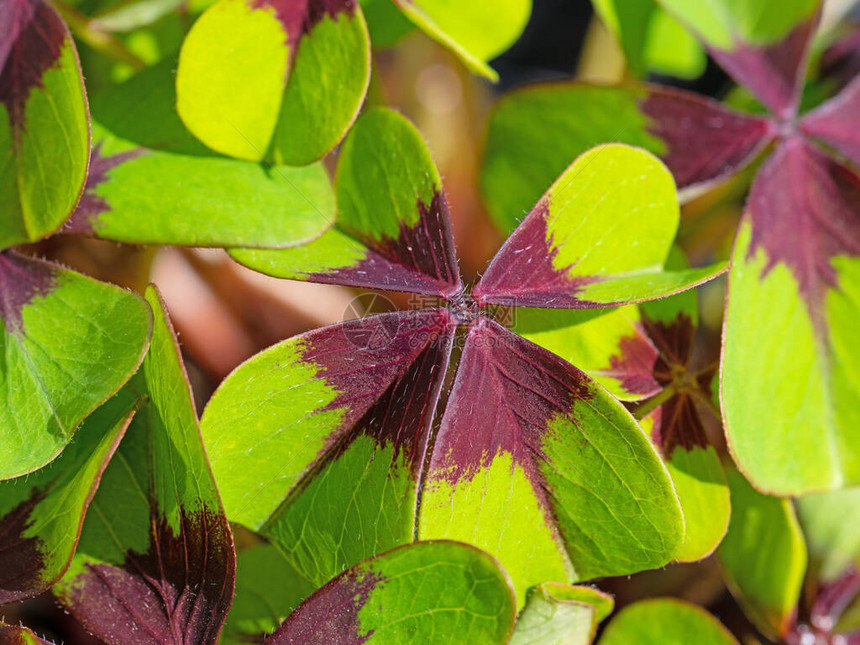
836	122
705	141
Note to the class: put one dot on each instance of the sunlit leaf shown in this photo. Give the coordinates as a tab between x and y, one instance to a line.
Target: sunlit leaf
41	513
44	128
665	621
393	230
475	31
151	182
68	343
156	554
789	374
763	556
438	592
599	236
274	79
523	424
534	134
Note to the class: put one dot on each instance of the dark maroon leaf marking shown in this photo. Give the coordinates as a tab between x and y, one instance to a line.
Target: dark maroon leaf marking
805	210
505	392
21	559
32	38
178	592
21	280
522	271
774	73
705	141
85	217
330	615
633	366
837	122
420	260
391	387
298	17
677	424
674	342
12	635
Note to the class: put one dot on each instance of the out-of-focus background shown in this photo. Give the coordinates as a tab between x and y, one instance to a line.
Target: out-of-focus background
225	313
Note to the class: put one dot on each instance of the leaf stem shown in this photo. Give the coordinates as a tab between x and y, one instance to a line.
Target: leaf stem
102	41
649	405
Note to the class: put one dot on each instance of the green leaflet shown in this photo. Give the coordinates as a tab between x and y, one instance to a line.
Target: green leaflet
274	80
475	31
722	23
773	418
831	525
665	621
651	39
389	194
152	182
44	125
441	592
763	556
41	513
557	614
15	635
49	389
155	535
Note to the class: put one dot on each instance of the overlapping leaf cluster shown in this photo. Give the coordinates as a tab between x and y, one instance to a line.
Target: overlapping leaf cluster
382	520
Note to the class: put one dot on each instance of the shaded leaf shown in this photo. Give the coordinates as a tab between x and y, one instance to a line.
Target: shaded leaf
592	241
69	343
44	126
385	22
425	592
334	427
454	26
156	549
831	525
763	556
762	45
665	621
393	230
268	589
280	80
835	122
41	514
151	182
558	614
535	132
790	321
523	424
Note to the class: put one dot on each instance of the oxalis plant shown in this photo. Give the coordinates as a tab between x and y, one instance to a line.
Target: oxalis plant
452	471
